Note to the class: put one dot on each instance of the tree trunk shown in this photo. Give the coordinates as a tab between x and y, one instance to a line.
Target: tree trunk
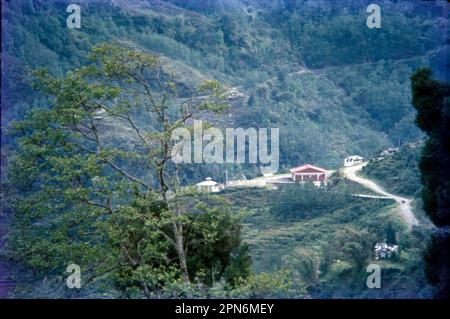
178	231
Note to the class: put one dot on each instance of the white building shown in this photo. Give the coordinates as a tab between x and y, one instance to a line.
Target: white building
389	151
208	185
353	160
383	250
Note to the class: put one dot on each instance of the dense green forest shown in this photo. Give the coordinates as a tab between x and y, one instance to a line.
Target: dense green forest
106	197
297	63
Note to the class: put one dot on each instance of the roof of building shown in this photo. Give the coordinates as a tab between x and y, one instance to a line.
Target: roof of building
307	167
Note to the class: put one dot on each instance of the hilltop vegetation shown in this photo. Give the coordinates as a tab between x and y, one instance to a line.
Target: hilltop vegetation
314	70
398	173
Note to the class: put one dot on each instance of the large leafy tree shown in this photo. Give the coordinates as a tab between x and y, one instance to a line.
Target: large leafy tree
431	100
93	182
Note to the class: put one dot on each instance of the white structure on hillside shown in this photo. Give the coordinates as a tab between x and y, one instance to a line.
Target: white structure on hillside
383	250
208	185
353	160
389	151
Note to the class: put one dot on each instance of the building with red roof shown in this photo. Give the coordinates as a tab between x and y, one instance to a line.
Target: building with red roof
308	172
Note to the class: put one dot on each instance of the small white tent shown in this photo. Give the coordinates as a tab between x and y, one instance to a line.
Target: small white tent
208	185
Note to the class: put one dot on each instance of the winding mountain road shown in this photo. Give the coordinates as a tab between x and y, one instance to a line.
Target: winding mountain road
403	203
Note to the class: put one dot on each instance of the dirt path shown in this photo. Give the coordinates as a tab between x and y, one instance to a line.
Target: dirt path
403	203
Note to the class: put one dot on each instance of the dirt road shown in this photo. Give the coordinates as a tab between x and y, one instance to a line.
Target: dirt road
403	203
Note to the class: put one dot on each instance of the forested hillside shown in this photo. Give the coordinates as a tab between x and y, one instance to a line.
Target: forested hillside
87	120
314	70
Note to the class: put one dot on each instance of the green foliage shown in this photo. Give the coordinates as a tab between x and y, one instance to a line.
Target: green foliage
337	106
77	196
303	264
212	239
73	198
352	246
316	31
431	100
398	173
391	238
279	284
220	254
304	201
327	253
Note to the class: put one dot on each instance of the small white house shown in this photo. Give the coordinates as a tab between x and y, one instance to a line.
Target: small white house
208	185
389	151
383	250
353	160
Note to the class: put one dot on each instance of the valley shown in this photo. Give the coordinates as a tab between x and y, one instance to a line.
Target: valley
89	172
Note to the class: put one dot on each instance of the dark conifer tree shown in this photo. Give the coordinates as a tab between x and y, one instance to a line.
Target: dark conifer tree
431	100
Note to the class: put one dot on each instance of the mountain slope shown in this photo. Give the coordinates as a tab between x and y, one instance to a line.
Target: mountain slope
313	69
